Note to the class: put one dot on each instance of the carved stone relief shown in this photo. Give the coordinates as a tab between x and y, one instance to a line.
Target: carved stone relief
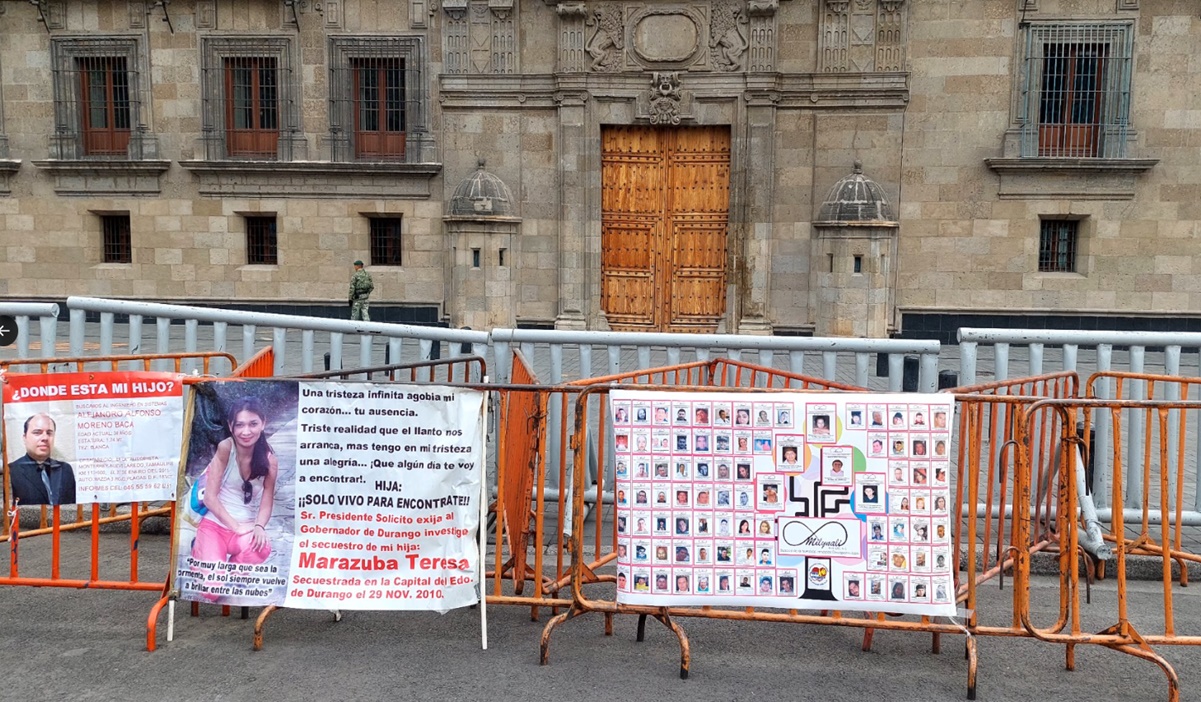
480	36
607	43
206	14
862	36
137	14
762	20
720	35
572	36
727	36
667	36
665	102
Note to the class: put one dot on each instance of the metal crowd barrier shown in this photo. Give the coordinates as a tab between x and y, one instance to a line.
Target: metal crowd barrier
46	314
592	426
399	339
1031	352
557	356
1163	429
51	522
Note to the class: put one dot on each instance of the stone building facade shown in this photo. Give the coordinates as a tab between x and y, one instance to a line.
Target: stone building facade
845	167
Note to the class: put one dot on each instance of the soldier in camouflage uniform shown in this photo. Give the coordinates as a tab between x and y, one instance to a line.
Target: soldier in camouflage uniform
360	290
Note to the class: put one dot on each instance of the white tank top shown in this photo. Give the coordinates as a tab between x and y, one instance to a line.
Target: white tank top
232	496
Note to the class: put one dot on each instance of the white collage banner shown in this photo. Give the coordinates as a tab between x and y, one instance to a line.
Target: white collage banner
790	500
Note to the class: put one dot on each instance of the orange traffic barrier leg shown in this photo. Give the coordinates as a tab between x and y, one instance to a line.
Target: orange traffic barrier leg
152	623
685	648
1149	655
258	626
969	652
555	621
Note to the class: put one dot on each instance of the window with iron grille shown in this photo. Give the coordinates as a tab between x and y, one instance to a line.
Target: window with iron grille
251	106
104	93
385	241
377	99
116	240
1058	243
261	241
379	108
249	96
1076	90
96	102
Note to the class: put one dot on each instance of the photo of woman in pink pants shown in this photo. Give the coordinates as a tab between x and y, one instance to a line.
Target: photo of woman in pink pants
239	491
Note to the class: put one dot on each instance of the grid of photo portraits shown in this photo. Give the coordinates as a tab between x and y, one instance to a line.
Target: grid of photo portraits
731	499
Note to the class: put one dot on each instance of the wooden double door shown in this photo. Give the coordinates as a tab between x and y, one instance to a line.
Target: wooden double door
665	204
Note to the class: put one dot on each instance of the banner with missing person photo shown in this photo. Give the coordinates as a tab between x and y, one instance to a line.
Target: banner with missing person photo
345	495
790	500
94	437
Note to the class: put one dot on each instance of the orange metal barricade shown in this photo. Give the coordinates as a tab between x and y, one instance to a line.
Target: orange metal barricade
1161	433
1150	387
51	518
520	521
260	365
591	420
990	423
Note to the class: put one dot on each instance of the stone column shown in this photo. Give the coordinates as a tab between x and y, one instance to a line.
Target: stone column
573	203
754	271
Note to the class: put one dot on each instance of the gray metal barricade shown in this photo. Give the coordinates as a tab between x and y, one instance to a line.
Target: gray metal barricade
401	343
1012	353
558	356
46	315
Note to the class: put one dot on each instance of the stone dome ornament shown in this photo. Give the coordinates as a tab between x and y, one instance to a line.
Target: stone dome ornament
481	194
855	199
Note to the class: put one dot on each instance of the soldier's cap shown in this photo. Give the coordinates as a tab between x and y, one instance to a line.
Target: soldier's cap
358	263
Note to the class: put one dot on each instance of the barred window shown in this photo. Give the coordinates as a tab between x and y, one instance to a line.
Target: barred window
385	241
117	243
250	95
1057	245
1076	90
251	106
95	98
377	98
379	108
261	246
104	97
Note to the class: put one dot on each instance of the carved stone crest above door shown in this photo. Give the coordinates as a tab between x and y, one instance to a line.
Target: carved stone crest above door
719	36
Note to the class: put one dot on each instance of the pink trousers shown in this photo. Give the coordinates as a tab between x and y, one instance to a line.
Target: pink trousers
216	543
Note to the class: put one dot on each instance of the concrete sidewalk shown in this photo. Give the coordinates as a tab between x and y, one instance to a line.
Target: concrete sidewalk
89	645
